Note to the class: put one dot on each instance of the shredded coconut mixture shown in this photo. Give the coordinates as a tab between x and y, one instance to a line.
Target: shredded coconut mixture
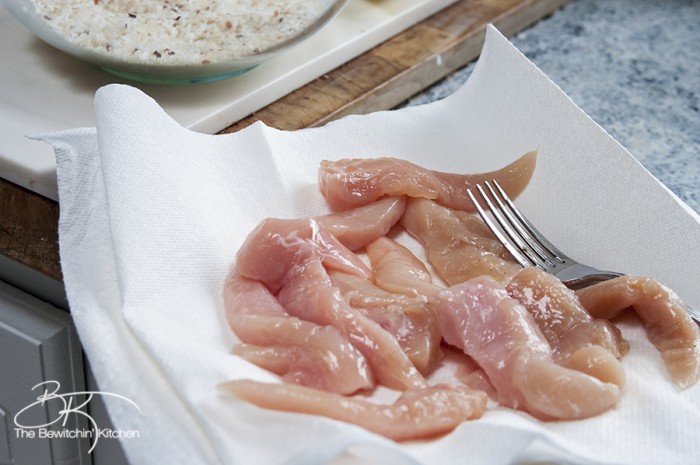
179	32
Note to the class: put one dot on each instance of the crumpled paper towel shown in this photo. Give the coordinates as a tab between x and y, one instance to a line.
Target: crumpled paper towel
152	215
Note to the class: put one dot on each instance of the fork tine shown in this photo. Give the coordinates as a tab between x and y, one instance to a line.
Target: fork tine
522	240
512	228
517	254
516	230
540	241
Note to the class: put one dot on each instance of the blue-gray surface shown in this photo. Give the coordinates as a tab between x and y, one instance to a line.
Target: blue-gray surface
634	67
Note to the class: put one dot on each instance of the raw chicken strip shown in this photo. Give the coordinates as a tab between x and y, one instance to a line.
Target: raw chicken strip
458	244
396	269
599	363
292	258
408	319
358	227
299	351
353	182
668	325
270	251
417	414
468	372
480	318
363	293
566	325
244	296
309	294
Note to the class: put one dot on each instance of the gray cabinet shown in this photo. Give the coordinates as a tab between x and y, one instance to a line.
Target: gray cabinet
40	351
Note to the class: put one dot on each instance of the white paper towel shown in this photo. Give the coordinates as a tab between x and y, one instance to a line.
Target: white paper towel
152	215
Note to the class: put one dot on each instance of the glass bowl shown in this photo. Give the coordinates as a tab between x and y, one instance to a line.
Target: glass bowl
174	41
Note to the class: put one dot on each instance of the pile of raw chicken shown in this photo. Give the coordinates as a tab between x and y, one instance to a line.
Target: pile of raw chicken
334	324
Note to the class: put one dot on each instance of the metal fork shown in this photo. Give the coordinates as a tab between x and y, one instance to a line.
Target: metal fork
529	247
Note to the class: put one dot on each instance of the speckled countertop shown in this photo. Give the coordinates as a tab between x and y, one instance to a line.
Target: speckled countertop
634	67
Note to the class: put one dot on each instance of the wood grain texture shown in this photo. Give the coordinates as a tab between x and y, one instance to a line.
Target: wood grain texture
377	80
402	66
29	229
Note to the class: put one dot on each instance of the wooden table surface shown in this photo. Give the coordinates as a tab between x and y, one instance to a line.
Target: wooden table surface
377	80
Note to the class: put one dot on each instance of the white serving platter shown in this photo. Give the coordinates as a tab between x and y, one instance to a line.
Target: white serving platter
42	89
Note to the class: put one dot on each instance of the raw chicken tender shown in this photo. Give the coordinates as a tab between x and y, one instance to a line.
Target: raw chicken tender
458	244
480	318
292	259
597	362
309	294
299	351
669	326
270	251
363	293
566	325
310	310
417	414
408	319
396	269
358	227
350	183
468	372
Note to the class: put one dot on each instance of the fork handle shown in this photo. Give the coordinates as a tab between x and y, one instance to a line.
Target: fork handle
577	276
580	283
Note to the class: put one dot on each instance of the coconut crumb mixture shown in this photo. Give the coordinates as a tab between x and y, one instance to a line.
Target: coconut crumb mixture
179	32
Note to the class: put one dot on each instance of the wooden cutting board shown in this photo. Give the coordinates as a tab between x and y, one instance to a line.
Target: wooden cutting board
402	66
378	80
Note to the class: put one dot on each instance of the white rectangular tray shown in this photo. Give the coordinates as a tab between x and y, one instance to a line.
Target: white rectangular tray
42	89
